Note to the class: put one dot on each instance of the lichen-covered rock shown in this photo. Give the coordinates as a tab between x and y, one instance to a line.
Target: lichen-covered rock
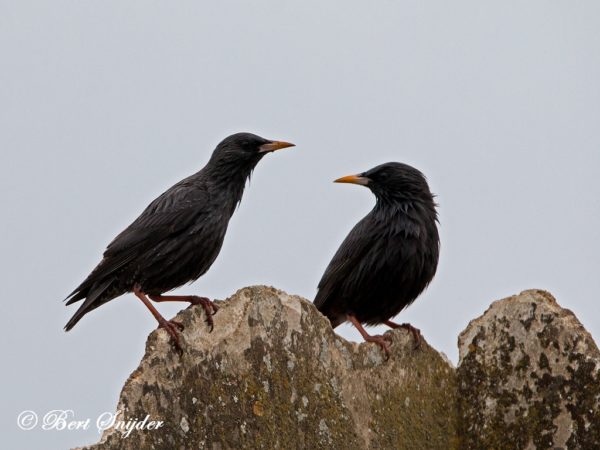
273	374
528	378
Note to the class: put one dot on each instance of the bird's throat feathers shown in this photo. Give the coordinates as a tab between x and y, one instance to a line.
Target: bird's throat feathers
229	174
408	217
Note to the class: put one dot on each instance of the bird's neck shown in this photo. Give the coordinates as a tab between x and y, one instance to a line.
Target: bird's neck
409	207
228	179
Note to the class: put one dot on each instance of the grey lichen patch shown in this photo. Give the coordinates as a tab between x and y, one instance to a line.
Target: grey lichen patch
185	426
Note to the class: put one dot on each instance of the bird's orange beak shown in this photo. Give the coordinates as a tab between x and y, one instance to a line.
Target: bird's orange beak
274	146
354	179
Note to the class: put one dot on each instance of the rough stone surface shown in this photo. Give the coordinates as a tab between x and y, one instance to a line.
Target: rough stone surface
273	374
528	378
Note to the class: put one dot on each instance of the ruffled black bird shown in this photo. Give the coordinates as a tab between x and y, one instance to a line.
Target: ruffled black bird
388	258
177	237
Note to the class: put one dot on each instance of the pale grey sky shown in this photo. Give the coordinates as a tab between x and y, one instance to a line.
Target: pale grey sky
104	105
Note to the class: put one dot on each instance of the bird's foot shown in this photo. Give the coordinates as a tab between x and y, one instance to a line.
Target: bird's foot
383	341
172	327
407	326
178	324
210	308
415	332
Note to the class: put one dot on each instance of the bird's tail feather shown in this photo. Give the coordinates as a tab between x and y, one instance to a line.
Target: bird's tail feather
93	298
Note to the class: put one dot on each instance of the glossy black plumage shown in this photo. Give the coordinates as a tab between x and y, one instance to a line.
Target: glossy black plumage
179	235
390	256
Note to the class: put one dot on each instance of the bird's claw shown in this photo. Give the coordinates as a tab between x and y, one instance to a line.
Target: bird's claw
173	327
415	332
177	324
408	327
383	341
210	309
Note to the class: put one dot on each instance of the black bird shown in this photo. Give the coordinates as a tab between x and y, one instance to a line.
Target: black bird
177	237
388	258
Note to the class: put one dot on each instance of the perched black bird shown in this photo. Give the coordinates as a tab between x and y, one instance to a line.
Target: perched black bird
178	236
388	258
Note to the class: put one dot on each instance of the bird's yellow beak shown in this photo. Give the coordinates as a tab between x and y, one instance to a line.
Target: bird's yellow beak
274	146
354	179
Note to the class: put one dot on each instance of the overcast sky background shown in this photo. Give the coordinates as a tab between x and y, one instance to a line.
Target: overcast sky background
104	105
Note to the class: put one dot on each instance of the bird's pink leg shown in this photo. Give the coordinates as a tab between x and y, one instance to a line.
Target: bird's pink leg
170	326
210	308
377	339
407	326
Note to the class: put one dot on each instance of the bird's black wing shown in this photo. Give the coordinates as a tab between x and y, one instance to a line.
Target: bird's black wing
173	212
346	259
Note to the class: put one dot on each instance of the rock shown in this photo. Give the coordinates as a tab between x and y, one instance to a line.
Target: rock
528	378
273	374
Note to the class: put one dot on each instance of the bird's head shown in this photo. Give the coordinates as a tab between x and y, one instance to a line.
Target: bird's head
246	148
393	181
